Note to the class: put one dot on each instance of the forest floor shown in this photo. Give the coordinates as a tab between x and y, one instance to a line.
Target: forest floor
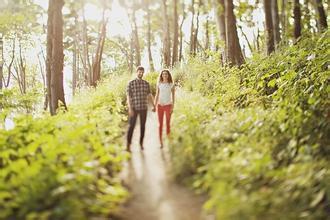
154	194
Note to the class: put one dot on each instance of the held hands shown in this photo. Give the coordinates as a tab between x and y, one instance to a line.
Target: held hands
154	107
130	112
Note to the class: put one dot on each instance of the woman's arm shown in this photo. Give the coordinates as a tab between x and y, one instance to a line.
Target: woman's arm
173	97
157	96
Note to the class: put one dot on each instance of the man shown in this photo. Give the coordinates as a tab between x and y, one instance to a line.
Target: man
138	95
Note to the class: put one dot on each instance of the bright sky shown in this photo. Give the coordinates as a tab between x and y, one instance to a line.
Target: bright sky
119	25
118	22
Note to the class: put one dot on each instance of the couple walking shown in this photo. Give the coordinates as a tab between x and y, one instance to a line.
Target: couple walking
138	96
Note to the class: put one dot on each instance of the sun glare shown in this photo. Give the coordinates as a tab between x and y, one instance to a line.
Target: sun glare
118	23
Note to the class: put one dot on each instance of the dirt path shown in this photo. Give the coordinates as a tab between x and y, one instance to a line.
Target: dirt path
154	195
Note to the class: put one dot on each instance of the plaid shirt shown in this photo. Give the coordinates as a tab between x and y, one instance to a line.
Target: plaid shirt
138	91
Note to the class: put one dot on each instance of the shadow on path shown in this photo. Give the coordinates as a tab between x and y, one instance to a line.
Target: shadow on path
154	196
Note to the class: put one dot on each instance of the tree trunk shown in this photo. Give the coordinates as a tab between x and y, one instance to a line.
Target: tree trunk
1	61
136	40
98	54
195	45
192	28
11	62
167	42
131	55
307	16
181	33
55	56
283	19
269	27
42	74
22	69
207	34
74	70
219	6
322	16
297	19
258	40
175	34
151	62
276	22
75	57
86	60
234	52
246	38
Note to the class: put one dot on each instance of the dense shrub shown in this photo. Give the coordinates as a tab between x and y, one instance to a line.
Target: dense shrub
257	141
12	101
152	78
66	166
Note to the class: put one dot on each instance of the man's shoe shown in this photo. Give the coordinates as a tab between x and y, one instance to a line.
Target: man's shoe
141	146
128	148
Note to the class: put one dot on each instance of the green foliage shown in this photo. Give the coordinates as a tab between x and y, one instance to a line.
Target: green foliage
257	142
66	166
12	101
19	17
152	79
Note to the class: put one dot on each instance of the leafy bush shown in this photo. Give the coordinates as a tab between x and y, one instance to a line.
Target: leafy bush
152	78
259	145
11	100
66	166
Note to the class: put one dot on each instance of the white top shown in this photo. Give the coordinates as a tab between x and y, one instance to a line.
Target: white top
165	91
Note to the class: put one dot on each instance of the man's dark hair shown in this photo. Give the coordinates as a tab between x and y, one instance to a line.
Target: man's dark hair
140	68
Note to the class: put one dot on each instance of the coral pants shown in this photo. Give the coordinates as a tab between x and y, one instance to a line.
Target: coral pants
161	109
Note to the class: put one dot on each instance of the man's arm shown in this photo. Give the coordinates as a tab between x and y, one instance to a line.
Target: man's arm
150	97
130	109
129	102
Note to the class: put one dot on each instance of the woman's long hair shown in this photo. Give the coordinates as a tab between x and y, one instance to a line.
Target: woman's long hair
170	80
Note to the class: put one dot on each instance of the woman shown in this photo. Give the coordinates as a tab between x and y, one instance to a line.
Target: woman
164	101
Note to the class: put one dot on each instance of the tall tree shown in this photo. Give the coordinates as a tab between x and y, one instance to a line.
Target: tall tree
307	15
283	19
196	30
269	26
135	49
99	51
181	33
151	62
166	36
192	27
219	6
234	52
1	61
11	63
207	34
136	40
20	69
55	56
85	56
297	19
75	55
175	34
322	16
276	22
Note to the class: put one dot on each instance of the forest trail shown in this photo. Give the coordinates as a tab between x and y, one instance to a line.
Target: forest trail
154	195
